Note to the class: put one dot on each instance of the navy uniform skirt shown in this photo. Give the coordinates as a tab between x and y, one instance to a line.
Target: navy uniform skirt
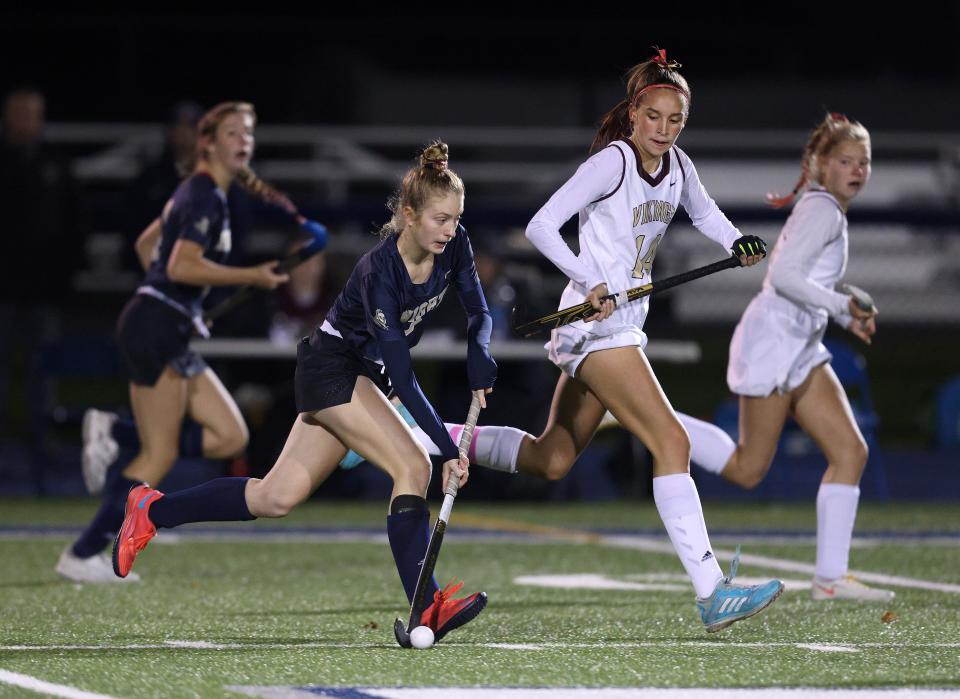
327	371
152	335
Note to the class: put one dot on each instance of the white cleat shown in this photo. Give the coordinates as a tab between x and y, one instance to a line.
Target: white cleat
100	449
849	588
96	569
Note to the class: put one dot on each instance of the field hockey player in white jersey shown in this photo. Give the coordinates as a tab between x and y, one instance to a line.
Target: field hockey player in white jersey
625	196
778	365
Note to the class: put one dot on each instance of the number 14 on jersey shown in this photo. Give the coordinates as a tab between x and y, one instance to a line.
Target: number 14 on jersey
641	270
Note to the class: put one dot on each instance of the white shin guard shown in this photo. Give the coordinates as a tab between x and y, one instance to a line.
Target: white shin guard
493	446
710	447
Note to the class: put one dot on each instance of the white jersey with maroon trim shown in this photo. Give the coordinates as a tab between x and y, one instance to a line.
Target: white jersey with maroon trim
810	256
777	342
623	215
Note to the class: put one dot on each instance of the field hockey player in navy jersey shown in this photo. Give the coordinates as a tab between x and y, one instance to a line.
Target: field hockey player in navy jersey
180	406
346	369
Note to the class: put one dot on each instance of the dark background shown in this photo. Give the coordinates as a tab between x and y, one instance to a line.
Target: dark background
750	65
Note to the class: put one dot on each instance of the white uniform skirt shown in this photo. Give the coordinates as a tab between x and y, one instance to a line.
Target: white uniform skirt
775	347
570	345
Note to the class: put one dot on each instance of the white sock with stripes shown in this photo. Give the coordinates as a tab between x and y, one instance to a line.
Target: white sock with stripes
836	513
710	447
493	446
679	506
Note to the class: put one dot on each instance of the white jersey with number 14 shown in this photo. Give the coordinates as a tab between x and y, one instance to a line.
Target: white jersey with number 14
623	215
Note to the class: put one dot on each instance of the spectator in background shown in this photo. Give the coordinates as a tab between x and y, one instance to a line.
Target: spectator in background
160	176
41	221
525	398
500	289
302	304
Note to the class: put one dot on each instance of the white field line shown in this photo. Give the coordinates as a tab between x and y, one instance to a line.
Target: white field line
623	541
199	645
596	581
859	542
320	535
655	545
717	645
671	582
40	687
291	692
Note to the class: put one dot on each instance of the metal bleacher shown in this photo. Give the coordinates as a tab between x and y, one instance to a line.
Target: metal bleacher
905	248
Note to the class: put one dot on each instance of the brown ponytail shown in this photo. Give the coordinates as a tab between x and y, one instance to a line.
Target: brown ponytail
260	189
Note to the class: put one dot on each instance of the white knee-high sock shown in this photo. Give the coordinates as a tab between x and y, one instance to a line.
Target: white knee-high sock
836	513
493	446
679	506
710	447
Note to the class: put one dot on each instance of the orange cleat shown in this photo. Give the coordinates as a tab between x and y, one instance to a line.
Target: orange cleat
137	529
446	614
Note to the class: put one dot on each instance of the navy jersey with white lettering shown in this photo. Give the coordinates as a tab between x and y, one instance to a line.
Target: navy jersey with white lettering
198	212
381	314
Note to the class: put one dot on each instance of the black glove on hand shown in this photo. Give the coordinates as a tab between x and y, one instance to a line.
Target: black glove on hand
749	245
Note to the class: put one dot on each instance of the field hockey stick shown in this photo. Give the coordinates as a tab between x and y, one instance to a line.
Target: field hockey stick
433	548
317	232
572	314
245	293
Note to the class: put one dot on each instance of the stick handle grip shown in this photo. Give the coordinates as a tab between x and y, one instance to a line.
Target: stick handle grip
466	437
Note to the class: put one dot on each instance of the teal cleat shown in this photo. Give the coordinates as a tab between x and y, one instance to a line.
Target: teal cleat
730	603
351	460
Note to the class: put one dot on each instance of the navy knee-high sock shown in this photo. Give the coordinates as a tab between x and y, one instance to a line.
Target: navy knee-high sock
106	523
408	528
219	500
191	436
125	433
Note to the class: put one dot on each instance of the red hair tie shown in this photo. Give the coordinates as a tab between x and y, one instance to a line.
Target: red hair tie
837	116
778	202
660	58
